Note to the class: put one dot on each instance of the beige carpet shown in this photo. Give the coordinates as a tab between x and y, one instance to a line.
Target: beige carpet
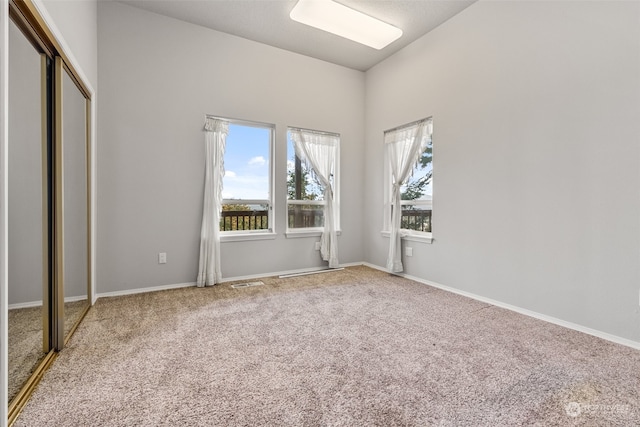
356	347
25	341
25	346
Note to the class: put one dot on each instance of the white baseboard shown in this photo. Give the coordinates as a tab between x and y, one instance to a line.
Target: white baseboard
29	304
576	327
32	304
143	290
224	280
609	337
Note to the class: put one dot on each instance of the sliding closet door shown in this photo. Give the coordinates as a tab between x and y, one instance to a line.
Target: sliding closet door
28	230
73	284
49	210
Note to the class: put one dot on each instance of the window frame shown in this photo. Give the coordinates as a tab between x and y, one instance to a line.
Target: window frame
269	232
294	232
405	233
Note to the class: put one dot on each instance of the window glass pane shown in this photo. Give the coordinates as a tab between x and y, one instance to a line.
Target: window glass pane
301	182
420	184
305	216
416	218
246	183
246	163
303	185
417	193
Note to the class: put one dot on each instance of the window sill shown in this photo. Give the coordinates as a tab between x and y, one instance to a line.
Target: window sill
241	237
309	232
413	237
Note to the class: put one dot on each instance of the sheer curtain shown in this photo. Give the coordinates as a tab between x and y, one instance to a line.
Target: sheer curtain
209	272
403	147
319	150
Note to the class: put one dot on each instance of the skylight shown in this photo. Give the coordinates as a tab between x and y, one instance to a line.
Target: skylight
335	18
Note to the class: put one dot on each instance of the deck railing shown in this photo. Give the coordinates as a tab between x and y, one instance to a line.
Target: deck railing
416	219
412	219
299	217
244	220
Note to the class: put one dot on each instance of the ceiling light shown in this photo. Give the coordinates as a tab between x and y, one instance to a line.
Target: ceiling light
345	22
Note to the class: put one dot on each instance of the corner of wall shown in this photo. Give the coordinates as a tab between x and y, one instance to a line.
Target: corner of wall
4	118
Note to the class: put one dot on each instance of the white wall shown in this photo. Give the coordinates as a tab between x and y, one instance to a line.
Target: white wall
76	21
536	156
158	78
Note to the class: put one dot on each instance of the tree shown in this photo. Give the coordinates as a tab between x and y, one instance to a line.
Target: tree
306	188
416	187
303	185
235	207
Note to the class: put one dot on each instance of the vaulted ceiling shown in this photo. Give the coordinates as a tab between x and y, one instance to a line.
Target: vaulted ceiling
268	22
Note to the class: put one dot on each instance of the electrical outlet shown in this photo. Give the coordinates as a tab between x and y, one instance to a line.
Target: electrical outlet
408	251
318	245
162	258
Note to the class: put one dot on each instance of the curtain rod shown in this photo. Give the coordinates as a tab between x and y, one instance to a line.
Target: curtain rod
319	132
408	124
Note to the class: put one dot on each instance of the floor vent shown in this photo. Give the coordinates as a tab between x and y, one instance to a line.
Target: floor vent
246	285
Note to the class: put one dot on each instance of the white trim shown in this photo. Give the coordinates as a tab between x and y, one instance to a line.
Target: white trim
94	193
272	274
569	325
415	237
32	304
42	10
143	290
285	272
231	236
29	304
270	202
412	237
307	273
4	293
247	202
224	280
306	202
57	34
296	233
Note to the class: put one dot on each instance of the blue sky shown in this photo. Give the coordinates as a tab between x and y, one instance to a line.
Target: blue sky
246	163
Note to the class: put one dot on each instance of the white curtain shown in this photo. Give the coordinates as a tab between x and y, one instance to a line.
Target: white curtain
319	150
404	147
209	272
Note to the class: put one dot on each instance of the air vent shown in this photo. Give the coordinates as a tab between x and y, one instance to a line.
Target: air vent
246	285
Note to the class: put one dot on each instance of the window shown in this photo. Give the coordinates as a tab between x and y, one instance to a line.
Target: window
246	187
417	192
305	193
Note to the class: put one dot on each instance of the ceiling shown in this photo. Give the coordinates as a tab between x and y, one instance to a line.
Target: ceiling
268	22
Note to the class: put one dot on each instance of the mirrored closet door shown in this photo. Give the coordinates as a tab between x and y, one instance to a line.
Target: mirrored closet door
28	207
49	209
73	204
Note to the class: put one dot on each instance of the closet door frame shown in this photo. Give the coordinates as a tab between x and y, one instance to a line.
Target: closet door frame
31	20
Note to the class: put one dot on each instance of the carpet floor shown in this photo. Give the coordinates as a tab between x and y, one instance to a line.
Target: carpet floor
356	347
25	341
